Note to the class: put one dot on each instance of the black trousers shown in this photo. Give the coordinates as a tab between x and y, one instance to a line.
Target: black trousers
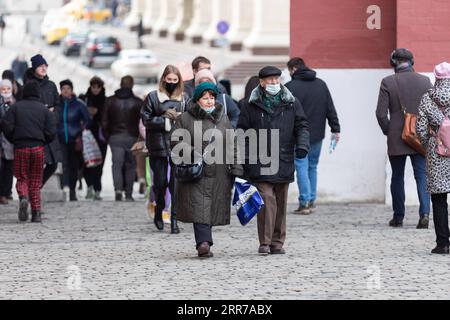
6	177
93	176
440	218
160	182
70	165
203	233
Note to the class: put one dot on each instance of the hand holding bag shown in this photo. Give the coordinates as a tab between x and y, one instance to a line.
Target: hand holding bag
246	200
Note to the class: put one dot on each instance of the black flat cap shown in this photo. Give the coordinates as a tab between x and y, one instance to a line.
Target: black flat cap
269	71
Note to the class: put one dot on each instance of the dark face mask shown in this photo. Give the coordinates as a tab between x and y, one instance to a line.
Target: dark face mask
170	87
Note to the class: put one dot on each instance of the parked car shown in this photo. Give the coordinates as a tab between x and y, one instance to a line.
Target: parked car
73	42
56	33
100	50
140	64
50	18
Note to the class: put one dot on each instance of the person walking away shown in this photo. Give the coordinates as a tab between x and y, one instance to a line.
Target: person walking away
73	118
28	125
159	112
94	99
252	83
273	107
435	105
318	105
50	98
403	90
7	149
231	108
206	202
120	122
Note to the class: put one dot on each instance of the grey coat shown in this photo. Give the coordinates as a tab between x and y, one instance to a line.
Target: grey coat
390	117
430	117
208	200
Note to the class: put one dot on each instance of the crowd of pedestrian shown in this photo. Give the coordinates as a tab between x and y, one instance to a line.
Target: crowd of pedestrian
42	126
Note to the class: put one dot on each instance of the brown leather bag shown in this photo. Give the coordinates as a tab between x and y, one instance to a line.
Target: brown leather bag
409	135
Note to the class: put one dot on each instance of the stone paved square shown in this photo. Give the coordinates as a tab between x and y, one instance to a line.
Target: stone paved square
108	250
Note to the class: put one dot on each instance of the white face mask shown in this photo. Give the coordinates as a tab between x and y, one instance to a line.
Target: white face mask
273	89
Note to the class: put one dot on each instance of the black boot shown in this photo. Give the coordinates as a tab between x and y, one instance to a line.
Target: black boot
36	216
173	224
158	220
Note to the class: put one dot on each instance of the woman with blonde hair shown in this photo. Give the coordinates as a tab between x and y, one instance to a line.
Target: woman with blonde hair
159	111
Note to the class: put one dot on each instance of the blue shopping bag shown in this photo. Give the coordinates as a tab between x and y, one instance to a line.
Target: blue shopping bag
246	200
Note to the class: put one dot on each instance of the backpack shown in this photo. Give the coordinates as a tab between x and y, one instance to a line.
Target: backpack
443	135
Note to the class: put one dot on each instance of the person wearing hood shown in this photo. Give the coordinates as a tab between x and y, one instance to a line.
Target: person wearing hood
73	118
231	108
95	101
273	109
159	112
401	92
50	98
434	106
28	125
120	123
318	105
205	202
6	148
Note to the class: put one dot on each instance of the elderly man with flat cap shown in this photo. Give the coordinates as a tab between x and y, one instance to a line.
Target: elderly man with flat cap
273	109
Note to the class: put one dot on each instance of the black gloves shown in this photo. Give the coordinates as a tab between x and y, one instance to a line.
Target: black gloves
301	153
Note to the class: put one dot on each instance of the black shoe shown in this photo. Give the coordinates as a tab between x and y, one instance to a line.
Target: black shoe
440	250
36	216
396	223
119	196
23	209
73	195
158	220
129	199
173	225
423	222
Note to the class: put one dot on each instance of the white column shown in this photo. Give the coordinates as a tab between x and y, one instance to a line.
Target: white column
137	8
168	16
200	21
222	11
270	31
151	14
241	23
183	20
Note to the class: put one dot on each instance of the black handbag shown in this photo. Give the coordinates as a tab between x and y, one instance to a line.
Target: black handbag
190	172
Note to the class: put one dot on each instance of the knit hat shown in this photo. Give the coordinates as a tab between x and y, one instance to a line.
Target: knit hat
6	83
37	61
202	74
442	71
66	82
31	89
202	87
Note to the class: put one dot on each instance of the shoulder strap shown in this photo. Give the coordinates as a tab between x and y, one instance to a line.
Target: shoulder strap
402	107
225	103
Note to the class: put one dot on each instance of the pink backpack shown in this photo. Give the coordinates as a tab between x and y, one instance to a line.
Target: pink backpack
443	137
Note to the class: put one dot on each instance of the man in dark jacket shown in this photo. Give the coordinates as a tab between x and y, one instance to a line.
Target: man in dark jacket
404	88
29	126
272	107
50	98
316	100
120	123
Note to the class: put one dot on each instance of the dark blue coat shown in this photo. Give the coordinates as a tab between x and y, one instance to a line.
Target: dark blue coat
73	116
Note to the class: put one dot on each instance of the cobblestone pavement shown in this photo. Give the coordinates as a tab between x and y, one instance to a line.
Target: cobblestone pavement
111	250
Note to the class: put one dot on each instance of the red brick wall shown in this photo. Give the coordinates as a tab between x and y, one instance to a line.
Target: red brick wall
424	28
334	34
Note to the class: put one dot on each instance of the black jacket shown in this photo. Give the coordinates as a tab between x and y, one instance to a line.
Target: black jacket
316	100
122	114
289	118
29	124
50	98
156	137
